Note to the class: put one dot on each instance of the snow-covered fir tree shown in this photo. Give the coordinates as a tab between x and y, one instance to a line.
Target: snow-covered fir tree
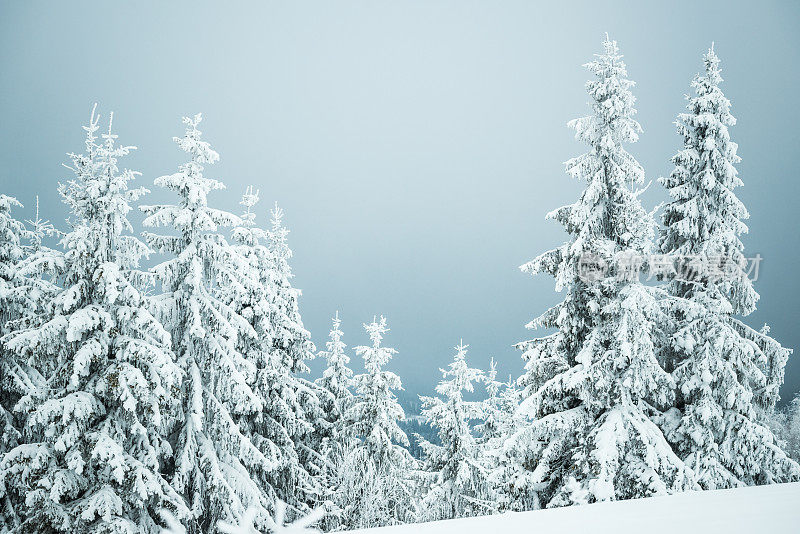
214	459
772	358
292	348
705	218
13	381
727	374
27	272
336	380
42	265
786	425
337	377
508	472
459	483
594	388
12	241
285	427
291	340
15	303
492	417
93	445
378	489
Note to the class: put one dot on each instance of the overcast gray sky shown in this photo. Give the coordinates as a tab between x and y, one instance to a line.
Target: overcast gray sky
415	146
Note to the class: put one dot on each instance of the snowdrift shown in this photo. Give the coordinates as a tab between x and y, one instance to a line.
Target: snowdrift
769	509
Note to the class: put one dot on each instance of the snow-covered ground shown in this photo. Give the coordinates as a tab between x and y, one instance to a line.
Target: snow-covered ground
768	509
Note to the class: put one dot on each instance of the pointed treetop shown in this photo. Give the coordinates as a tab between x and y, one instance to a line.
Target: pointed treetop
277	216
461	376
713	70
492	374
94	118
612	103
609	46
109	136
40	228
278	234
492	385
461	350
191	143
376	329
610	49
249	199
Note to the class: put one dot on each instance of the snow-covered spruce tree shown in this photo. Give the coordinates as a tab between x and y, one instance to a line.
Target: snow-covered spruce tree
292	347
771	357
213	458
291	340
727	374
500	420
15	303
786	425
705	218
336	379
492	416
12	240
284	424
27	287
378	489
13	381
459	483
42	265
27	272
93	444
594	388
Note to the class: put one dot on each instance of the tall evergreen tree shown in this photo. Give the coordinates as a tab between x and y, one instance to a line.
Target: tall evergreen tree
14	304
13	378
13	235
727	374
27	273
253	296
292	341
509	469
336	380
298	400
94	441
493	416
595	387
378	490
705	218
40	268
786	425
282	426
214	458
337	376
460	485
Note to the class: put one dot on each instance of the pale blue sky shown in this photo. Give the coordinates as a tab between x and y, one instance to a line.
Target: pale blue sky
415	146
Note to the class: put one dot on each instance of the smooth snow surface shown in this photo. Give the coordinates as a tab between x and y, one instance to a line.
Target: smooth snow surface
768	509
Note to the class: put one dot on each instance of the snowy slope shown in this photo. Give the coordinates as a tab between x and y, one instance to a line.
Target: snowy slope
769	509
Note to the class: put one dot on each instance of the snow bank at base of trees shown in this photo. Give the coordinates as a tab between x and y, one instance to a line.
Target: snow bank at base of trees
770	509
